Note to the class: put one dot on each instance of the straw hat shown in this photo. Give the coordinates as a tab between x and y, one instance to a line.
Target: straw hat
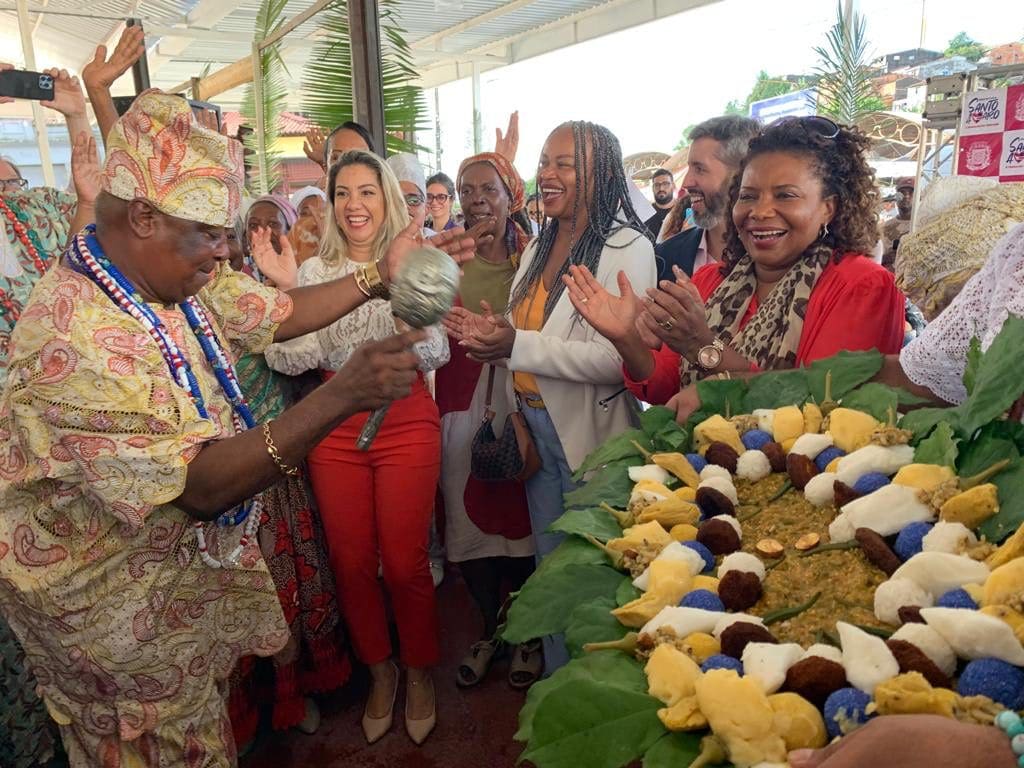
959	222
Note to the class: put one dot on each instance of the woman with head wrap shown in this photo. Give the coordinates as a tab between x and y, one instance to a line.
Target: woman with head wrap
291	539
487	524
304	237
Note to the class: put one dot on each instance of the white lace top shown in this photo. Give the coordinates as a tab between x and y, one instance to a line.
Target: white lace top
937	358
330	347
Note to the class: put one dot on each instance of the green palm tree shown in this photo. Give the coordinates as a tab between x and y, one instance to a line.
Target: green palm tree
845	92
275	98
327	79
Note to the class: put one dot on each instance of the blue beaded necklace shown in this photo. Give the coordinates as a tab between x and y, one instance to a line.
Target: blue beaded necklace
86	256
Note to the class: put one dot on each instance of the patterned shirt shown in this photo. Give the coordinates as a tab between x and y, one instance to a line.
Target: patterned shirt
49	213
100	577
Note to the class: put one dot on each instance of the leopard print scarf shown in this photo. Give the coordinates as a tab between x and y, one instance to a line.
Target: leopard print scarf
771	338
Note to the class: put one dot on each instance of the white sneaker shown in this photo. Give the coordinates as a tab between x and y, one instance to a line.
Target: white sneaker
437	573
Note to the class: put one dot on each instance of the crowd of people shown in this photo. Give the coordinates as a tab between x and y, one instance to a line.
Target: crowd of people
186	371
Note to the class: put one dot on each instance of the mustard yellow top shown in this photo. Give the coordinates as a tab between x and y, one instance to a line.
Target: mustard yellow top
529	316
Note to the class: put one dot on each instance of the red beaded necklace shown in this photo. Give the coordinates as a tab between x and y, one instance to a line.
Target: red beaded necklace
8	307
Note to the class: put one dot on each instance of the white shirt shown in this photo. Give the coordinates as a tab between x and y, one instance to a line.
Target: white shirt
702	258
330	347
937	358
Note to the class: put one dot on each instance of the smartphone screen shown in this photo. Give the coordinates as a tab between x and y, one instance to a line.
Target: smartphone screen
22	84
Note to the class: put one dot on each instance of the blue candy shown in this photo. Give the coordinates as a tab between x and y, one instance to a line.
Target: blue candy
957	598
696	461
908	543
870	483
702	598
827	456
845	706
704	552
755	439
1001	682
721	661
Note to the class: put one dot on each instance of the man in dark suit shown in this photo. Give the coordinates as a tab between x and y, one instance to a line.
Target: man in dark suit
664	187
716	148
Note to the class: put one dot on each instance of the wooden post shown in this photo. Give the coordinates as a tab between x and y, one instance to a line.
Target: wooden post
367	86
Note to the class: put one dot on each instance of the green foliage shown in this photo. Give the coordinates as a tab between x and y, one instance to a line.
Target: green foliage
849	370
546	600
771	389
973	361
592	622
765	87
592	520
572	551
586	723
964	45
626	593
327	80
938	448
997	378
684	140
612	669
611	485
879	399
269	19
673	750
612	450
845	91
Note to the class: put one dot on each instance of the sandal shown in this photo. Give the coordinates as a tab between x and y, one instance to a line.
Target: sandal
473	668
527	665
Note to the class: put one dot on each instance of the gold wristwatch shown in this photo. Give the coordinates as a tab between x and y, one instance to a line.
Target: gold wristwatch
709	357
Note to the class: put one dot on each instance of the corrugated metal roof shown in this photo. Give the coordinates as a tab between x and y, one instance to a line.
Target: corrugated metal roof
183	36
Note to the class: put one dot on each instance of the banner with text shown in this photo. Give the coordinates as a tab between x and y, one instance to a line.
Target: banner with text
992	134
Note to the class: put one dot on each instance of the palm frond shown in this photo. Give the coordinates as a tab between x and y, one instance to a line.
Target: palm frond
845	92
327	78
275	95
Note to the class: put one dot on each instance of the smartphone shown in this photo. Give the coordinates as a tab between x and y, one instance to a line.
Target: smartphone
26	85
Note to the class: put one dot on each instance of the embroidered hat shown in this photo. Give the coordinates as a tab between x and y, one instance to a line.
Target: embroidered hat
157	151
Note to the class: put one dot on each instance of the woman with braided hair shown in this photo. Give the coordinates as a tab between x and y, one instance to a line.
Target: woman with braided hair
794	285
567	378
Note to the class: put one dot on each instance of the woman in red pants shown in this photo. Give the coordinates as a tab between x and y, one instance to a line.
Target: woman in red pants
376	505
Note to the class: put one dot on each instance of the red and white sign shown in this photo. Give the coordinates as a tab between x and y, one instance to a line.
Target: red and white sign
1011	163
992	134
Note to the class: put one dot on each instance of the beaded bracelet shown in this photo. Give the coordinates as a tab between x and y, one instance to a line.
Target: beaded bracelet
1010	722
275	456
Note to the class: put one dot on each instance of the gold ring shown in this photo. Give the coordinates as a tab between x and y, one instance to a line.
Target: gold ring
668	325
584	300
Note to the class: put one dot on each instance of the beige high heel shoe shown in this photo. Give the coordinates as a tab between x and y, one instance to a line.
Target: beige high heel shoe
419	730
374	728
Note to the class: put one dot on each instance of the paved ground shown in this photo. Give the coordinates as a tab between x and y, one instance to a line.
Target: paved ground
474	727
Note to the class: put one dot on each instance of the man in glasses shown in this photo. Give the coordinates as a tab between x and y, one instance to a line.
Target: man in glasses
664	188
11	179
716	149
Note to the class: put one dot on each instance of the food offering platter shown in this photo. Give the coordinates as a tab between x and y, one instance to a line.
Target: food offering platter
811	550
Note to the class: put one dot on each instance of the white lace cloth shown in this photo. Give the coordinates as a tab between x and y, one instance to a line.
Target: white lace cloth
330	347
937	358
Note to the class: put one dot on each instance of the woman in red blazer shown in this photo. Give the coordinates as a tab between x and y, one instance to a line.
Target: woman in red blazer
794	285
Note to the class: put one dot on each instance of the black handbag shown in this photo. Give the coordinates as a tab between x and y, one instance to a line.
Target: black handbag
513	456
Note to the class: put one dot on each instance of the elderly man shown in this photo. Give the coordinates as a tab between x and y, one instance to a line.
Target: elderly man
124	437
